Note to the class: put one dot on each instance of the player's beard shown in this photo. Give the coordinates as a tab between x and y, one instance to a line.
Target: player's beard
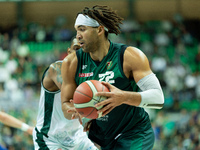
91	46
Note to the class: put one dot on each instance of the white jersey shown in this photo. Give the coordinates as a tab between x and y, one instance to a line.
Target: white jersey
53	130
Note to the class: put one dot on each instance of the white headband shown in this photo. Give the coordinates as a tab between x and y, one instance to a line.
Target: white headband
87	21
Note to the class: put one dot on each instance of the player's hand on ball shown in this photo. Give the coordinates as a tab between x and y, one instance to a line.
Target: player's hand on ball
84	98
75	114
115	98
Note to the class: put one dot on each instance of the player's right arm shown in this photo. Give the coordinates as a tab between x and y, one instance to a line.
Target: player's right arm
68	87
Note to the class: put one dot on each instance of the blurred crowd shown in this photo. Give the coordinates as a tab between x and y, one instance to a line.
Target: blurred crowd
173	52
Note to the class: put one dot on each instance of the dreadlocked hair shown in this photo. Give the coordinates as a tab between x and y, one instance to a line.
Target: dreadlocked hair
104	16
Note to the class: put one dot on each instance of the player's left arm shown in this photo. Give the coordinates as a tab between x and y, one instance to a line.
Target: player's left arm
135	65
151	95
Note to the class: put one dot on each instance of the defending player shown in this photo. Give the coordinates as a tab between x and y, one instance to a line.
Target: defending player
125	125
53	131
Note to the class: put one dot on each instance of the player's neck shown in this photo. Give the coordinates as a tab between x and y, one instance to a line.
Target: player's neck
102	51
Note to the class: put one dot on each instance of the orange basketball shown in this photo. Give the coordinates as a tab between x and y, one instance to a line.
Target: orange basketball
84	98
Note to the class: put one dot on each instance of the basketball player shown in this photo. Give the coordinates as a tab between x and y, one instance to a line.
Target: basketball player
125	69
53	131
15	123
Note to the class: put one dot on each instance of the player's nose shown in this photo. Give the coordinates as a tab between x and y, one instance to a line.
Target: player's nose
78	36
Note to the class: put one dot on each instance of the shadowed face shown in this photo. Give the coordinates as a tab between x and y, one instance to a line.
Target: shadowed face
75	45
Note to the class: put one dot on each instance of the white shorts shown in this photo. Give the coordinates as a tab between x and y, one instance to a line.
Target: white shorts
49	144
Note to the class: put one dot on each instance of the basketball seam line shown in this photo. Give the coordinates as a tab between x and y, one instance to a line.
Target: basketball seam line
91	112
87	96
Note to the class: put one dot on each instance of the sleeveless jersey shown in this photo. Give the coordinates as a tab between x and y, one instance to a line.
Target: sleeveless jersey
52	125
123	119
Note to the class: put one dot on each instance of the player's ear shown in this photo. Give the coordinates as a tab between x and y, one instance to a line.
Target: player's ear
100	30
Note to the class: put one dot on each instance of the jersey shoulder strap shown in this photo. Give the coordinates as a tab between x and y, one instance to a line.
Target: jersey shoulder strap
121	55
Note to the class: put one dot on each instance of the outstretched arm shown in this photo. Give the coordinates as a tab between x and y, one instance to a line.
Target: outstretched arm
15	123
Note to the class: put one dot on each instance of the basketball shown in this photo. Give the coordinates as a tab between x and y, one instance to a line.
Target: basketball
84	98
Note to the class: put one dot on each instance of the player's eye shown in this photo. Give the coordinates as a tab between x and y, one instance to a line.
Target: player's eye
82	29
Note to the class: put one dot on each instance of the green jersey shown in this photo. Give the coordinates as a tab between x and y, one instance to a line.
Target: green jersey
123	119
